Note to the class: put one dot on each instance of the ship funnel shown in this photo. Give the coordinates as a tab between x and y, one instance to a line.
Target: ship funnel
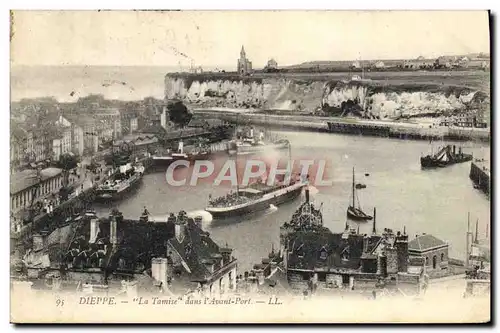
307	193
374	220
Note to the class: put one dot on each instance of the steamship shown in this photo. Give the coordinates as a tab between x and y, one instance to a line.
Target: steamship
127	178
254	198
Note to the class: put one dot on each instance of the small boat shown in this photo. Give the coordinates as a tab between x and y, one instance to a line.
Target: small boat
367	174
354	210
360	186
444	157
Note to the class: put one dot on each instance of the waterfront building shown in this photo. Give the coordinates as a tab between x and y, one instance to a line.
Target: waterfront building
29	186
432	249
138	143
469	118
244	65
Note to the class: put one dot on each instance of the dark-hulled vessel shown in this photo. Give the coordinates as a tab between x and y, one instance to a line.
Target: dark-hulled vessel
444	157
123	181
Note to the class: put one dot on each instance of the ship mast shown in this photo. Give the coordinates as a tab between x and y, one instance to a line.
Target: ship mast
236	160
237	179
290	163
353	190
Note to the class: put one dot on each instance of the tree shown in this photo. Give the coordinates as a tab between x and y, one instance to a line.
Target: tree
179	113
67	162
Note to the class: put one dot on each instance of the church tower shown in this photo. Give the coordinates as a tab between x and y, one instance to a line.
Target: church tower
244	65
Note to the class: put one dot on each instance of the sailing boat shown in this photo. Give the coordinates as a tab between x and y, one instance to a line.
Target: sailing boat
354	210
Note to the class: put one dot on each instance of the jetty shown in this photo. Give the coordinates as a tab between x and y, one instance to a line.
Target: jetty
353	126
480	174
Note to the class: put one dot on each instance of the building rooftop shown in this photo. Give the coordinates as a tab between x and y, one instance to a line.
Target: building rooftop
197	250
137	139
80	119
425	243
27	178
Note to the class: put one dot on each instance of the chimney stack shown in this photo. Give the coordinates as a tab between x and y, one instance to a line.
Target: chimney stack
198	221
374	231
159	271
94	230
180	226
113	239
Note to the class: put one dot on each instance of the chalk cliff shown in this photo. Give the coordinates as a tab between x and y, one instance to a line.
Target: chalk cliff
374	98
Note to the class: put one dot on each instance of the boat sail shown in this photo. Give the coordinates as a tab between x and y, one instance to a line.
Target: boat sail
354	210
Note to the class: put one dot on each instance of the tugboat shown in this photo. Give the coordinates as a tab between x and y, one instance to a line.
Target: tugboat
354	210
444	157
128	178
256	197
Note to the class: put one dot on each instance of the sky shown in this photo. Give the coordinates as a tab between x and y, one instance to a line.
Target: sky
214	38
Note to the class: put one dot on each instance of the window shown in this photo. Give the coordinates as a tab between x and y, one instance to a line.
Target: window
442	257
345	253
323	253
434	262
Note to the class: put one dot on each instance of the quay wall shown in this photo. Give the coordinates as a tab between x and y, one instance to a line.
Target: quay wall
352	126
383	97
480	175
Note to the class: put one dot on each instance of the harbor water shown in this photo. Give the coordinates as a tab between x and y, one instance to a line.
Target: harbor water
422	201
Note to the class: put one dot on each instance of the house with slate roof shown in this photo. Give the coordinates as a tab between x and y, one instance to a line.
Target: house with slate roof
313	255
172	255
432	249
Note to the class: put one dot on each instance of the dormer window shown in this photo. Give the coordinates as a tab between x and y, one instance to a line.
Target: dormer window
345	254
323	253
